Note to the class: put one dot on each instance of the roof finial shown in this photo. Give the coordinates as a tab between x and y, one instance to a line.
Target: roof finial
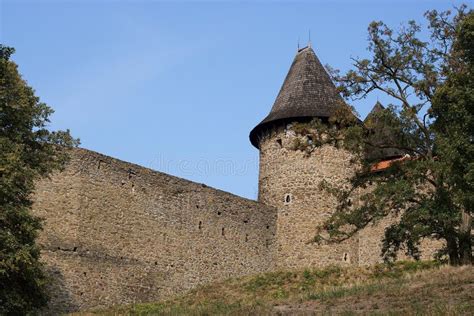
298	44
309	38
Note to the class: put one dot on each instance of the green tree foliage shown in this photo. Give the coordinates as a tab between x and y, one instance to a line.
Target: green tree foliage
429	125
28	152
453	113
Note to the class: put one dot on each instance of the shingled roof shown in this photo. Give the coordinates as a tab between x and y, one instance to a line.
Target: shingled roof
307	92
378	107
380	134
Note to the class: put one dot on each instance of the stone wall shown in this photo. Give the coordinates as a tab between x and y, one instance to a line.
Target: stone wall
370	243
289	181
118	233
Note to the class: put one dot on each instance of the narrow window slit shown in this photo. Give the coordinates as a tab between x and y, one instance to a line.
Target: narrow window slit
279	142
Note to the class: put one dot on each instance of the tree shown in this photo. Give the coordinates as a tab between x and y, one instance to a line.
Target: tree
430	125
454	103
28	152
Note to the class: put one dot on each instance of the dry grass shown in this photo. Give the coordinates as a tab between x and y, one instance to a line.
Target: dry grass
404	289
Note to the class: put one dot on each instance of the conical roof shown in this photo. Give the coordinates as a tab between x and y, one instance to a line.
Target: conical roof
307	92
378	107
380	134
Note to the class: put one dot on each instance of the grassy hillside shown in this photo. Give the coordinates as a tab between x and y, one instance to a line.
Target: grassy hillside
406	288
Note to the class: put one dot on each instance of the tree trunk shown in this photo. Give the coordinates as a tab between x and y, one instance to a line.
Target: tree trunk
453	253
465	246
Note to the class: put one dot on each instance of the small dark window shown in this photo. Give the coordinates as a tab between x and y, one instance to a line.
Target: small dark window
200	225
279	142
287	198
219	213
246	237
223	233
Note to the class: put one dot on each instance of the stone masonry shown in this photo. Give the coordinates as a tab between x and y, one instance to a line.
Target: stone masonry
117	233
289	181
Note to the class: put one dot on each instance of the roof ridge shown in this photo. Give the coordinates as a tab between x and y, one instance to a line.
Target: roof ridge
302	49
307	91
375	109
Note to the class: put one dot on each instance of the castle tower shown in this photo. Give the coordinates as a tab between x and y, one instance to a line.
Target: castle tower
380	134
289	179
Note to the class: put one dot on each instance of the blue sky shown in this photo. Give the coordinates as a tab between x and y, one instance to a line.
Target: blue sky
177	86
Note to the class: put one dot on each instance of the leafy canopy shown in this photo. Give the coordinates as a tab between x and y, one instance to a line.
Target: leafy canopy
28	152
425	137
